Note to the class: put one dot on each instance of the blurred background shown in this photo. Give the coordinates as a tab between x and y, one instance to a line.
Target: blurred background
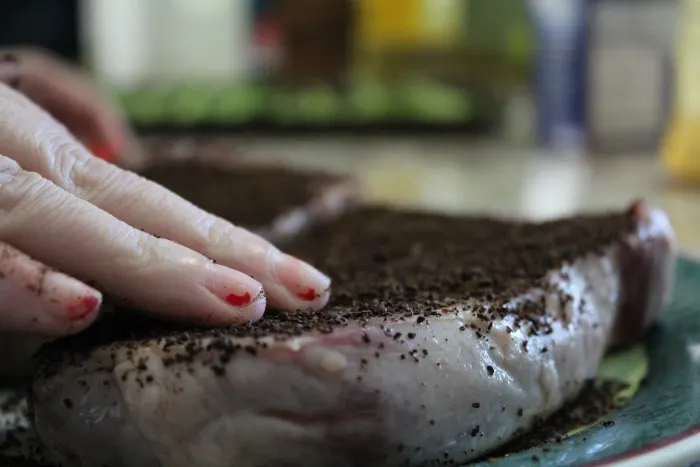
596	73
534	106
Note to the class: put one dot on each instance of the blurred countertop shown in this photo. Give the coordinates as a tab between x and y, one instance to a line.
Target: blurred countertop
454	175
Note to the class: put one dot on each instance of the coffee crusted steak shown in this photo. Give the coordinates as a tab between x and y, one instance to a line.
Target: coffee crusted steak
275	201
445	338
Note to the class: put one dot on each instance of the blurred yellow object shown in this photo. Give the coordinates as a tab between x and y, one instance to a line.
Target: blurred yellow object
681	147
443	22
391	23
681	151
394	184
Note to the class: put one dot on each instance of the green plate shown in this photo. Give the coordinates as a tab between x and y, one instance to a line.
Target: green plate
660	426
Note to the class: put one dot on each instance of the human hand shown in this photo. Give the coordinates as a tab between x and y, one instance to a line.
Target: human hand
71	98
61	207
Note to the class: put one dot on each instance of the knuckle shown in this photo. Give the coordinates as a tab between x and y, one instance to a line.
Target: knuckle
21	193
141	246
9	168
139	250
213	230
60	155
8	96
98	181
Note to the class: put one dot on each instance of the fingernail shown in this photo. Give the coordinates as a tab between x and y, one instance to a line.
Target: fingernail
301	279
71	299
103	152
82	307
233	287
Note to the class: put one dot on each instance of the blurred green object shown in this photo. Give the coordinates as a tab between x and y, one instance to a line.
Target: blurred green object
464	58
424	102
189	106
414	100
370	101
145	107
321	104
238	105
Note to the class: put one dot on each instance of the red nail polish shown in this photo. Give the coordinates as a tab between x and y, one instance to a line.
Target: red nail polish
309	295
103	152
82	308
238	300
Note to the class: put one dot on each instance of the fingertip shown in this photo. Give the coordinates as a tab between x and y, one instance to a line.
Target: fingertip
280	298
252	312
37	300
243	297
302	285
83	306
82	311
222	314
109	138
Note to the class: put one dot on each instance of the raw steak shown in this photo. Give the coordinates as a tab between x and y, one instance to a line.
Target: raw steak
275	201
445	337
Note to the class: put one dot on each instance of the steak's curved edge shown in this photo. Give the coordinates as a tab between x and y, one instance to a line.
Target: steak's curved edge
396	393
332	200
647	268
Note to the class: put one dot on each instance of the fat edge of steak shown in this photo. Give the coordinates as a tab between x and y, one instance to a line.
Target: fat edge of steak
386	393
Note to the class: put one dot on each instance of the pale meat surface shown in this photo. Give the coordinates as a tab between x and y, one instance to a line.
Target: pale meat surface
446	337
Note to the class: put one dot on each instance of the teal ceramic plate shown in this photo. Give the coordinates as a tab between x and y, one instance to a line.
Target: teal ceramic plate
660	426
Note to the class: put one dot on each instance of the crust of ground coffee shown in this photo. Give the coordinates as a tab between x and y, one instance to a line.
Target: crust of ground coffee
400	264
251	196
596	401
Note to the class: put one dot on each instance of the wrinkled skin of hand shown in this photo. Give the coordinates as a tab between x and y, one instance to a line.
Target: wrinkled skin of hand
73	225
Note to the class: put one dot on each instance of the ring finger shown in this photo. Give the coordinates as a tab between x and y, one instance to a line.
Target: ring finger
35	299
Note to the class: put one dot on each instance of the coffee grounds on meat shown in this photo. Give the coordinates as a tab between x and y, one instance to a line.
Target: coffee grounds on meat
595	402
388	263
396	264
251	196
